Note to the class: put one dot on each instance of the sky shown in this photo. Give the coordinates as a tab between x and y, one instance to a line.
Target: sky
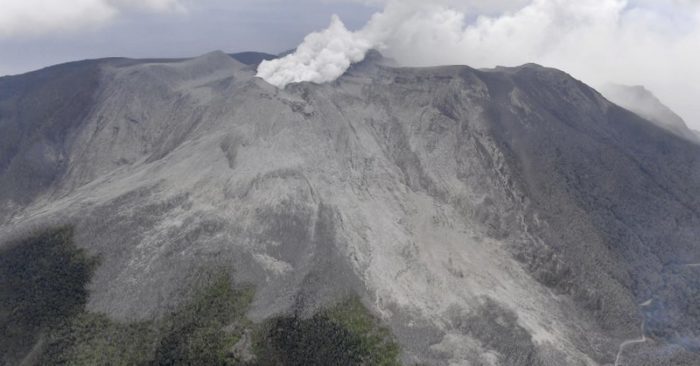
38	33
655	43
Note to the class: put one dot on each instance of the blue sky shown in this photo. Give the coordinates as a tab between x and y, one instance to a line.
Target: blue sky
206	25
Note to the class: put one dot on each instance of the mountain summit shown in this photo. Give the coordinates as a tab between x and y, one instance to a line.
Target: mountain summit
511	216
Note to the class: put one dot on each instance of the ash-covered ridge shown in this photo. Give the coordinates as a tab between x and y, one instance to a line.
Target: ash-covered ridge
640	100
489	217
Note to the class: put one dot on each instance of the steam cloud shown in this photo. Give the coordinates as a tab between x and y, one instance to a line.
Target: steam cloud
323	57
649	42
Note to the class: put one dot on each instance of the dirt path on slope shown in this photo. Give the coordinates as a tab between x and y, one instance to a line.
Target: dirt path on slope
631	342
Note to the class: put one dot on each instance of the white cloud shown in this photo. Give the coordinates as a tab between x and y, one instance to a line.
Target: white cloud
22	18
323	57
650	42
469	6
154	5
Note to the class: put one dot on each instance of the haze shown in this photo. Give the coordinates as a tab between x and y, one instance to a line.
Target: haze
632	42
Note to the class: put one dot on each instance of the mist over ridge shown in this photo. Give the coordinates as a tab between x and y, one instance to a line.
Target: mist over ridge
631	42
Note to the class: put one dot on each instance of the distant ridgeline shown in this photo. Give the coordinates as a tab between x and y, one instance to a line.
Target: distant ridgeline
43	321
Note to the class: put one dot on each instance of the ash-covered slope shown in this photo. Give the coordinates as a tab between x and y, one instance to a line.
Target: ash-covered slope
641	101
489	217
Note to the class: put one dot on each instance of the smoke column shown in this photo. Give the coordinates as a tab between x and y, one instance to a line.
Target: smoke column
323	57
649	42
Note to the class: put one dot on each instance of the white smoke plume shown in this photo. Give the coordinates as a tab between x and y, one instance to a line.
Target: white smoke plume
323	57
655	43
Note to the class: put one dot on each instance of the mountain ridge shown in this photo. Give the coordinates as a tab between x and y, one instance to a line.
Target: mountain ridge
511	214
641	101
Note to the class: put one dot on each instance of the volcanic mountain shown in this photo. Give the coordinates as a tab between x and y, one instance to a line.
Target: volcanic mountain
641	101
447	215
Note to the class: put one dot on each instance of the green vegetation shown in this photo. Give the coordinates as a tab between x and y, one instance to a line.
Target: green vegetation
196	334
377	344
93	339
42	313
205	331
343	335
42	284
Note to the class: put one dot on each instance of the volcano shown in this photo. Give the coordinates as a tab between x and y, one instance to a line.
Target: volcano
440	216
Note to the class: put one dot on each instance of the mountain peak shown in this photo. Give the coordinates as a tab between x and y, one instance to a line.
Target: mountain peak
643	102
